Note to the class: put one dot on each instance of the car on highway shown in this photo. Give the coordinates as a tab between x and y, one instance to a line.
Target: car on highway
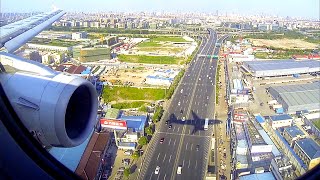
179	103
167	122
161	140
181	91
197	148
156	171
183	118
170	126
179	169
199	79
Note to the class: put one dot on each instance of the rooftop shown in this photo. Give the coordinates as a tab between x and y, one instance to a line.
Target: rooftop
127	144
310	147
70	157
112	113
254	138
294	131
268	65
135	122
90	161
280	117
76	69
299	94
261	176
260	119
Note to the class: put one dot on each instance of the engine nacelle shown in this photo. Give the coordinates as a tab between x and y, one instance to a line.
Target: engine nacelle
58	109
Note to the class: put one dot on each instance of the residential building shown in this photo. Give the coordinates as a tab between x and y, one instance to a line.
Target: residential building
79	35
308	151
282	168
277	121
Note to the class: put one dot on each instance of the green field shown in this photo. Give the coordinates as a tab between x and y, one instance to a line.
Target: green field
155	41
149	59
125	105
149	44
169	39
54	42
130	93
317	123
281	53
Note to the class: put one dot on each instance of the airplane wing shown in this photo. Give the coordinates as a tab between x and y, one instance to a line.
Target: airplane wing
16	34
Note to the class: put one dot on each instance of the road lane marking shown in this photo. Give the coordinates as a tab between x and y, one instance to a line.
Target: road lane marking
186	146
158	175
170	158
189	163
174	143
191	147
165	175
183	163
196	164
151	176
165	155
158	156
169	141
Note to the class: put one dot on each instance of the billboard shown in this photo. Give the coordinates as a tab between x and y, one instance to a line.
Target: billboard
113	123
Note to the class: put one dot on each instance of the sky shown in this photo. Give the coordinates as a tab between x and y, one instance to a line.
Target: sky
291	8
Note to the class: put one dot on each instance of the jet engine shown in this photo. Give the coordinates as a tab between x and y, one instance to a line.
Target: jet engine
59	109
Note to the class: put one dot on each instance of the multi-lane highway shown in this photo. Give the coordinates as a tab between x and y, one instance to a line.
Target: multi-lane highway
186	144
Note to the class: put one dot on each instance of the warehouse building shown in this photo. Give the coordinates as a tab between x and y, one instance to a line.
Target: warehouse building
297	97
269	68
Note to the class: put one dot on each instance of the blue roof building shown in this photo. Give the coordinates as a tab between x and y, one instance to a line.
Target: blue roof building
260	176
309	151
293	133
260	119
283	120
136	123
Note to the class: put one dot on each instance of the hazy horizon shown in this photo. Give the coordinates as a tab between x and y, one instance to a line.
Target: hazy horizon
292	8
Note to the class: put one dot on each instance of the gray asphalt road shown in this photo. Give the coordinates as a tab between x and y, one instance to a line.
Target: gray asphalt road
193	101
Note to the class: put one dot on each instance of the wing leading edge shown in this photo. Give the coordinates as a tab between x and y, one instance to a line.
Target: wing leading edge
16	34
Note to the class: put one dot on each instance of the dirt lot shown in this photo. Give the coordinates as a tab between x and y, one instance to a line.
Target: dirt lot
284	43
136	76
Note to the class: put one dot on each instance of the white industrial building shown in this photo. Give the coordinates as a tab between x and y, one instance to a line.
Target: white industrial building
271	68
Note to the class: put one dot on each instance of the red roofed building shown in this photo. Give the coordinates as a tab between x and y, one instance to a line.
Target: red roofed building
92	159
76	69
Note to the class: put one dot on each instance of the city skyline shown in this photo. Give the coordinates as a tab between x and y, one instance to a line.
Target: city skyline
297	9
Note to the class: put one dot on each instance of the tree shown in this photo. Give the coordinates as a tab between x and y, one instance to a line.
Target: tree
143	108
149	131
135	155
157	114
126	172
143	140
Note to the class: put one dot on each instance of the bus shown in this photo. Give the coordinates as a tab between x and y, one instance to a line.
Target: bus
206	124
